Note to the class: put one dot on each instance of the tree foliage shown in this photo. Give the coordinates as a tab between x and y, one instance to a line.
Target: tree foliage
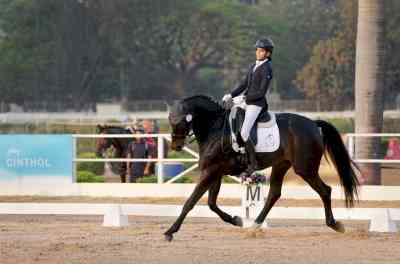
328	76
73	53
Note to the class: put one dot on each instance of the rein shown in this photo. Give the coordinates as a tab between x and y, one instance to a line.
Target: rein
223	131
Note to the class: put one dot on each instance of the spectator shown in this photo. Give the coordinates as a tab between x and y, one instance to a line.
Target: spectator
149	129
138	149
151	142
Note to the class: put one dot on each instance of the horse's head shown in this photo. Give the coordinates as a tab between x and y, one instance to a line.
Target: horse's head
102	144
181	123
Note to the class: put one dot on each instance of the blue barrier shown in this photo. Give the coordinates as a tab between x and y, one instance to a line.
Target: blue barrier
36	158
171	169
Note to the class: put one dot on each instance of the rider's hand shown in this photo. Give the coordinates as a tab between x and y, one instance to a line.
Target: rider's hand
227	101
226	97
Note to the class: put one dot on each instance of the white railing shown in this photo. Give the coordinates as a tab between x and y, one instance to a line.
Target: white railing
351	146
160	150
160	154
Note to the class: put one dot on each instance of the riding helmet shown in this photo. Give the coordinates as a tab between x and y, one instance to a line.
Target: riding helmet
265	43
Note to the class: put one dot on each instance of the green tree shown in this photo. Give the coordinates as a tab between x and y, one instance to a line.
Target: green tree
328	76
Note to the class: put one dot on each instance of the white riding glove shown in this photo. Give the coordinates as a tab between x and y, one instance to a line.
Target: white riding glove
226	97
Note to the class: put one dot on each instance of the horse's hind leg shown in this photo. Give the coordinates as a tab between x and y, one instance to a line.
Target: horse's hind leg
122	172
199	190
277	175
212	203
324	191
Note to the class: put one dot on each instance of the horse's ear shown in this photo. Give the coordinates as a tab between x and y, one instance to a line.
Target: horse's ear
180	107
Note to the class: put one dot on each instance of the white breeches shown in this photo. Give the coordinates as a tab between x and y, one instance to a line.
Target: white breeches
252	112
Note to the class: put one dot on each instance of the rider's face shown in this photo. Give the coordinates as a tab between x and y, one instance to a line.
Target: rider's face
261	54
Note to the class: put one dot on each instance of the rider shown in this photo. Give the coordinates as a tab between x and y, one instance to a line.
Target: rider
254	87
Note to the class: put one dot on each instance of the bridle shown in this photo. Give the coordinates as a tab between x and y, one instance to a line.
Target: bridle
188	131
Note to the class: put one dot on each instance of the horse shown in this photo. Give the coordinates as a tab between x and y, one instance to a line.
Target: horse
303	143
120	145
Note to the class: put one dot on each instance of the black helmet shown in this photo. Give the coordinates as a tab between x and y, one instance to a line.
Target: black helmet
265	43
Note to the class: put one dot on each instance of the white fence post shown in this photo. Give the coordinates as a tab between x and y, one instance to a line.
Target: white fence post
351	146
74	156
381	221
113	217
160	156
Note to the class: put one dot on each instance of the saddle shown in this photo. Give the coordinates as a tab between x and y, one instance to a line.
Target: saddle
236	118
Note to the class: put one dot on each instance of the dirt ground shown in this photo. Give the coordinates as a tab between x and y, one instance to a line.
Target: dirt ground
82	239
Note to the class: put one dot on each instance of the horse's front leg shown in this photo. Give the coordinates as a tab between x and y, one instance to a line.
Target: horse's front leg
212	203
200	189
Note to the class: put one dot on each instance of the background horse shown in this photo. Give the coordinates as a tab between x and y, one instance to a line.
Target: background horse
120	145
303	142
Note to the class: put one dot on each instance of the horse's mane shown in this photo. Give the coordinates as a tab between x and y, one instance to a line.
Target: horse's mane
209	115
202	101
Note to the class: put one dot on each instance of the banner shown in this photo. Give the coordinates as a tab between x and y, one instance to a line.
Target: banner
36	158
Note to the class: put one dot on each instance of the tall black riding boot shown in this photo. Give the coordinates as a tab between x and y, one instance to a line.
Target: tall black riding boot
251	159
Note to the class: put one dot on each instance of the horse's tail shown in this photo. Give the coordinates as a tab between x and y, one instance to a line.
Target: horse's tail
343	163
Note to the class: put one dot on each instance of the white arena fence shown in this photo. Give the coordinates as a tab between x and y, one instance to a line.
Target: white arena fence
161	161
351	143
160	154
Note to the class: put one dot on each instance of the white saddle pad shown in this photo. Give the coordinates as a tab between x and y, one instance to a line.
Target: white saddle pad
268	139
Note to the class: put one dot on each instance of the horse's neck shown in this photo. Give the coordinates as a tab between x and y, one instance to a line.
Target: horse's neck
207	127
208	118
121	145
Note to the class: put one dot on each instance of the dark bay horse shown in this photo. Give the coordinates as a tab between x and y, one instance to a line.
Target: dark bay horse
303	143
120	145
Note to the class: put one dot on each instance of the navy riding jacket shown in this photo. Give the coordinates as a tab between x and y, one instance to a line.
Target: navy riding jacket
255	84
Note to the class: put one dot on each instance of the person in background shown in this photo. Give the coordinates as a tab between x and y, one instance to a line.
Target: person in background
148	127
138	149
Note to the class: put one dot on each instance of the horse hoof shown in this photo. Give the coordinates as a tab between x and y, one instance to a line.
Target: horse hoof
338	227
168	237
256	226
237	221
